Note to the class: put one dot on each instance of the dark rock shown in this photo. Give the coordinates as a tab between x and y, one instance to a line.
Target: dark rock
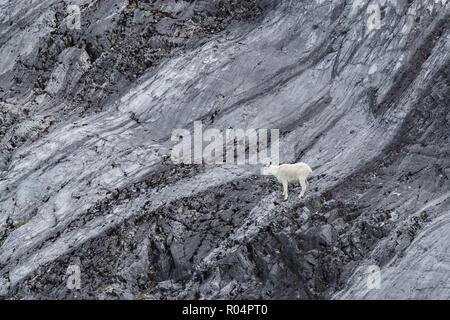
86	118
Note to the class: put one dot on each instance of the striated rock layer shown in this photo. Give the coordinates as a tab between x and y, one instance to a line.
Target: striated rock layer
86	117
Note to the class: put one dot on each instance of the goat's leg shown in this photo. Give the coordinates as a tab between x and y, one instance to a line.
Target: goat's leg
303	183
285	190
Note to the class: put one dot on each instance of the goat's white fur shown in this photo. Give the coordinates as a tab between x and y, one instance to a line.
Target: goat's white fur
286	173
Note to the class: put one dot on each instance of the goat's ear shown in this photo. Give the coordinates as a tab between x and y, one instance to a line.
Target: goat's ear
269	164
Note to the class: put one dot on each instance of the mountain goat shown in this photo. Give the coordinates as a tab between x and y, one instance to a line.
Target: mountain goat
286	173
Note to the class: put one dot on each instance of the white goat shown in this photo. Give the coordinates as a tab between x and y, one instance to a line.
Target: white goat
286	173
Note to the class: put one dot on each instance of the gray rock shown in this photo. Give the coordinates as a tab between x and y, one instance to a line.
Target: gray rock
86	118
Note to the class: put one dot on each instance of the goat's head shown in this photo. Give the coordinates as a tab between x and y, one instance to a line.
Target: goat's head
265	171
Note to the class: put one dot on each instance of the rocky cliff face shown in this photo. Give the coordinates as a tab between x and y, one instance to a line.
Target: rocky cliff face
86	116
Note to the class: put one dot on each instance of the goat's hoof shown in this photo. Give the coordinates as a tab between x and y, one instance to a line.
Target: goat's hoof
300	196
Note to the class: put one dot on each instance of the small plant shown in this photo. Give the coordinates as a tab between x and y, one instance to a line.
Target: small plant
162	14
19	224
423	217
141	296
132	4
148	272
103	287
317	207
